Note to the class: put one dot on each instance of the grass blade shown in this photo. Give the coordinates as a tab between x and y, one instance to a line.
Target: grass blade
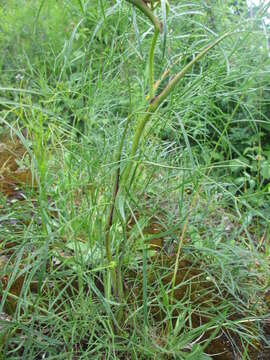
164	22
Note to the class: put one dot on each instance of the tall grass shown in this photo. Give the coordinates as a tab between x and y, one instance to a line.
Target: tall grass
189	237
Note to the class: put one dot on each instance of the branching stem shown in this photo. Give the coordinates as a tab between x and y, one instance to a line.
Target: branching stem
157	101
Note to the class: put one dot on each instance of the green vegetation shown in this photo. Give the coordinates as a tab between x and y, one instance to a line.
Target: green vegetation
134	180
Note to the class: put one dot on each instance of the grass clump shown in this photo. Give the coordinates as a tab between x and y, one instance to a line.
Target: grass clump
133	214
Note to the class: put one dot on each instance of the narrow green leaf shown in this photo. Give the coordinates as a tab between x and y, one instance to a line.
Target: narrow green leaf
38	13
81	6
186	139
102	9
165	28
137	33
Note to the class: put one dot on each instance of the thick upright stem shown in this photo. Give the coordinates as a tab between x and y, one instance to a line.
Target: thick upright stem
116	282
141	5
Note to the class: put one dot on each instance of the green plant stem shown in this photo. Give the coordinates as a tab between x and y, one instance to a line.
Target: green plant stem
157	101
154	104
116	279
151	64
141	5
107	234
